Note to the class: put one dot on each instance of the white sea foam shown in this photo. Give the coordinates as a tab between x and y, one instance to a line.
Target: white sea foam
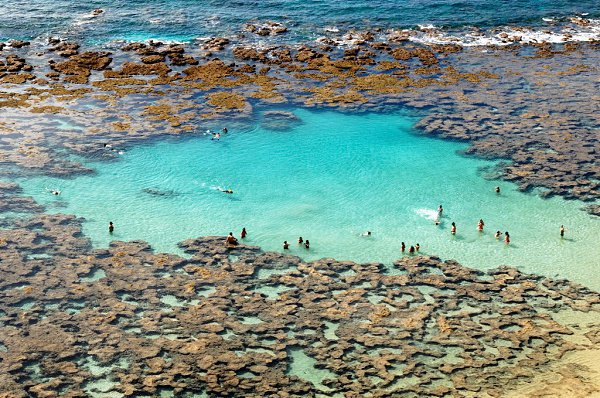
429	214
579	29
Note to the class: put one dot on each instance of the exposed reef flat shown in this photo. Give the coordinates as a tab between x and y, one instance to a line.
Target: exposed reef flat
125	321
533	104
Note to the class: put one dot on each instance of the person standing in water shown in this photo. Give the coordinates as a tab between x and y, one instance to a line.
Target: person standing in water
300	240
402	247
417	247
307	244
498	234
111	227
440	211
286	245
244	233
453	229
506	238
497	190
562	231
411	250
480	225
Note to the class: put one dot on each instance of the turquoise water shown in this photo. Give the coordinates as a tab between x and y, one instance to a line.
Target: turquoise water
185	20
328	179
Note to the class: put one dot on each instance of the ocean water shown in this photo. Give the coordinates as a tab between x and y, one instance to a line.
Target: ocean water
185	20
328	179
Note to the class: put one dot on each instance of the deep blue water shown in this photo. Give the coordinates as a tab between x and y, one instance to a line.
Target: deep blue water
184	20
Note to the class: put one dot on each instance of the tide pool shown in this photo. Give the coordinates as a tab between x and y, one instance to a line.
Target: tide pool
328	179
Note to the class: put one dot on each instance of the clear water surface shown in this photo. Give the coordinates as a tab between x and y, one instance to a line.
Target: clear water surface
328	180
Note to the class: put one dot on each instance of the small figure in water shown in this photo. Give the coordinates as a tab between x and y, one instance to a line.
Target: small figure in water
506	238
411	250
497	189
300	240
417	247
286	245
307	244
226	190
244	233
440	210
437	220
366	233
562	231
111	227
480	225
216	137
453	229
402	247
225	131
498	234
231	240
55	192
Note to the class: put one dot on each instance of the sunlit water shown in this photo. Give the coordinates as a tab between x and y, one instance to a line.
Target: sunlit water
328	180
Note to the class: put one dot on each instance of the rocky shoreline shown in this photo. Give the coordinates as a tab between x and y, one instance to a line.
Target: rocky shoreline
534	105
77	321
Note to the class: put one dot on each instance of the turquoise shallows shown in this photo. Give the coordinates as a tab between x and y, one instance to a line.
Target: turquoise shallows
329	179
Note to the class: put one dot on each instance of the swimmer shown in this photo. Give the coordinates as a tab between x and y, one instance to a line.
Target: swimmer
366	233
107	146
300	240
231	240
111	227
307	244
417	247
55	192
562	231
480	225
286	245
226	190
411	250
497	189
402	247
224	131
506	238
437	220
216	137
440	210
453	229
498	234
244	233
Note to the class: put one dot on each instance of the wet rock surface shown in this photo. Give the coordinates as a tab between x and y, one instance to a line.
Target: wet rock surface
238	322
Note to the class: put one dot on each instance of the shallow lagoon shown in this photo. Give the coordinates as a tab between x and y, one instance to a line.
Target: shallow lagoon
329	178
